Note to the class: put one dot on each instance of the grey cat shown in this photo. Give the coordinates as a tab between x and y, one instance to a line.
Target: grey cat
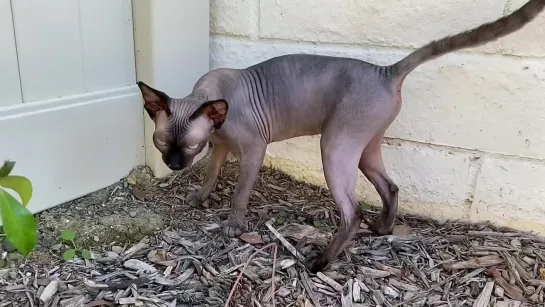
349	102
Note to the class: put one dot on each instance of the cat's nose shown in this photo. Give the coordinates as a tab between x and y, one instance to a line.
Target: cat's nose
175	166
175	160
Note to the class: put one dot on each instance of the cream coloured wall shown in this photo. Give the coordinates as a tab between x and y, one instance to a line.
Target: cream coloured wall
469	142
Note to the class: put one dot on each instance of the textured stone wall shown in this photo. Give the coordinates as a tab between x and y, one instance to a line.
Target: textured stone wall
469	142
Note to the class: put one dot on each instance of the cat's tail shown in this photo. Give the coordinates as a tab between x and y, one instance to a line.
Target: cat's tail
480	35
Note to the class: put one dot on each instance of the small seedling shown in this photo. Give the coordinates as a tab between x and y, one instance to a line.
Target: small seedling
281	219
322	225
70	236
365	206
318	223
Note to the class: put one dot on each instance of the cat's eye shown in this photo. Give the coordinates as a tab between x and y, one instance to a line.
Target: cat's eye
194	146
160	142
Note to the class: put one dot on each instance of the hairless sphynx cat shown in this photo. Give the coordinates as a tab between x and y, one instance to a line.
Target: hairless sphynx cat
349	102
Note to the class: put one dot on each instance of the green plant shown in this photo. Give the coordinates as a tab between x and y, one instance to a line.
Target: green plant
18	222
70	236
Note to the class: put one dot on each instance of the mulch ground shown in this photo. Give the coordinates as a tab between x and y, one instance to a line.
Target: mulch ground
190	262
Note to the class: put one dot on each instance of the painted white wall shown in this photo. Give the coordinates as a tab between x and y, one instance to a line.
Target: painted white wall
72	146
10	86
172	53
71	116
468	143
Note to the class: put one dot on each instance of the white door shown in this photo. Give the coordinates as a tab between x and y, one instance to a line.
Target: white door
70	113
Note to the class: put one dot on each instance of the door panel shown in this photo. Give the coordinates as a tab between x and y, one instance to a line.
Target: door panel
107	36
10	87
49	48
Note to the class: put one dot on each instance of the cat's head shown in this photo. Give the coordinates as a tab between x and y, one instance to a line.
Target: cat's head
182	126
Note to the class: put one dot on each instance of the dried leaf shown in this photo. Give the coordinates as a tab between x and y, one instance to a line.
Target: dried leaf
372	273
139	194
482	262
252	238
335	285
313	235
513	291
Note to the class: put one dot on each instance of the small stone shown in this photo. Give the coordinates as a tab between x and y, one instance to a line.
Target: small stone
105	259
132	213
49	291
516	243
112	255
57	247
283	292
402	230
389	291
117	249
12	274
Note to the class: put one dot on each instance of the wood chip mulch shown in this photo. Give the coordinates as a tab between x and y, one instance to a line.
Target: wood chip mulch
424	263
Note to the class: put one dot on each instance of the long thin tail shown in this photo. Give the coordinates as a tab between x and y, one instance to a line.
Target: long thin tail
483	34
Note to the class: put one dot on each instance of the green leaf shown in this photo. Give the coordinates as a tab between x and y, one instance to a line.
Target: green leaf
280	220
87	254
317	223
18	223
365	206
68	235
19	184
6	168
69	254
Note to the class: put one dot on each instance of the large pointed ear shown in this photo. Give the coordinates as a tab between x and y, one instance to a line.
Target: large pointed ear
154	100
216	110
